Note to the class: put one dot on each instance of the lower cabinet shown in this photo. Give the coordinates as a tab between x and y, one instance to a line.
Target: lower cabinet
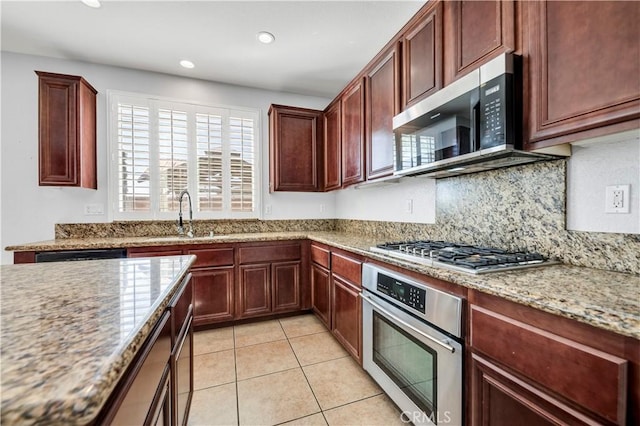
213	295
528	365
271	279
347	316
182	369
321	293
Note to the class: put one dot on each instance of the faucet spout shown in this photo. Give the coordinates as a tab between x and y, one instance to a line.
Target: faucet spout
180	223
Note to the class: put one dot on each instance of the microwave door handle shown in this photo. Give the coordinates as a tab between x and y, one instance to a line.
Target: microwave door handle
407	325
475	127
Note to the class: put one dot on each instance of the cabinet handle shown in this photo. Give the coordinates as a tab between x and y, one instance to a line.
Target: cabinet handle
407	325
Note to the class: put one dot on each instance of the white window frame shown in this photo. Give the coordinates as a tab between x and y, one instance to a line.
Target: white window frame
191	107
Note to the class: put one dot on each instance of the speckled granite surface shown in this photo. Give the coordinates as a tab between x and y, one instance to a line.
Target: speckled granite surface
70	329
605	299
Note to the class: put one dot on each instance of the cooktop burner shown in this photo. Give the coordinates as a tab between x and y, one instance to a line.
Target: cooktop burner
460	257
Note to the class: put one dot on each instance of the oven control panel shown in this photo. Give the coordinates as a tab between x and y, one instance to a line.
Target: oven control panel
410	295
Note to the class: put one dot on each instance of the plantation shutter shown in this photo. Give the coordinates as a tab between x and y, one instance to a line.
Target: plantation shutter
210	172
133	158
242	163
173	157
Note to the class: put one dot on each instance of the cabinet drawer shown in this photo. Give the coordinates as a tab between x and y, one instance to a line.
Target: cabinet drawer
274	253
212	257
347	268
589	377
320	255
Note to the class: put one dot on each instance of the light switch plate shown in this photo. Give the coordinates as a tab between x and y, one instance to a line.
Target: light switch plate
93	209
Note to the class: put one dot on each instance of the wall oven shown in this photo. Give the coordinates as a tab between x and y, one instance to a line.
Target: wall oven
412	345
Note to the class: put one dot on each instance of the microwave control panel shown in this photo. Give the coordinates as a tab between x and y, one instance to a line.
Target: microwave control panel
410	295
495	101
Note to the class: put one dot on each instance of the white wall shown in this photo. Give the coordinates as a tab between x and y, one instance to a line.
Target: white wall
595	164
29	211
410	200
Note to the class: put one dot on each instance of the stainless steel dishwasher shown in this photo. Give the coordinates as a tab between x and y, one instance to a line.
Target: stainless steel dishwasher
89	254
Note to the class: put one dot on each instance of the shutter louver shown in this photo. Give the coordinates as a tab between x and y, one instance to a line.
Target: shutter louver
209	147
242	163
173	157
133	158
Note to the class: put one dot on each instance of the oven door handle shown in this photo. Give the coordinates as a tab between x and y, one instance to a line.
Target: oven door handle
407	325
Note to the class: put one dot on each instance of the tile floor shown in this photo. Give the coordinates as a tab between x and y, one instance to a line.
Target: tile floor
289	371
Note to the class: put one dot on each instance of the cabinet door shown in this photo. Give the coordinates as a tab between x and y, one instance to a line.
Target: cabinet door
182	369
353	135
295	136
321	293
475	32
382	103
286	286
213	295
422	56
584	68
498	397
254	290
67	131
333	146
347	316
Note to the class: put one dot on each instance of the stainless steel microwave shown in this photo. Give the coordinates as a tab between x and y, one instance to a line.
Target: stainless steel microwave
471	125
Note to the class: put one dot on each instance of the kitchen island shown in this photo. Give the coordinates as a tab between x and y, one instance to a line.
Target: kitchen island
71	330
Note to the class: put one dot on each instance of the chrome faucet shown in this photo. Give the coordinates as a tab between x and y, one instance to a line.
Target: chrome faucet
180	224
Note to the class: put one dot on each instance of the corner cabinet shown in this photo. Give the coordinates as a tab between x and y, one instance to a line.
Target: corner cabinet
352	120
67	131
422	55
382	103
584	63
295	149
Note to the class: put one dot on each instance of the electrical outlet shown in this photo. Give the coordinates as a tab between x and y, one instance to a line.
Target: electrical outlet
408	206
267	209
322	208
93	209
617	199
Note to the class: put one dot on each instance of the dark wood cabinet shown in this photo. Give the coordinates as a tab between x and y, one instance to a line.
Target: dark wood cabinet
353	143
542	369
346	306
583	68
382	103
271	279
333	146
321	293
422	55
295	149
213	292
67	131
475	32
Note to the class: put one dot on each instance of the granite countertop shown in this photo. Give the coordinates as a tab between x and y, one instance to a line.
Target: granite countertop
604	299
70	329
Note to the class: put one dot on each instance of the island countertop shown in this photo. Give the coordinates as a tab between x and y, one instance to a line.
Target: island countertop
70	329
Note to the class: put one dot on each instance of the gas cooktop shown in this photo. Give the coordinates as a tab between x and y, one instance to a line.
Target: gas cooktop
460	257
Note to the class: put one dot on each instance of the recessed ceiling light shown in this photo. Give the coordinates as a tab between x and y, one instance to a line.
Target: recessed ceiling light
265	37
187	64
92	3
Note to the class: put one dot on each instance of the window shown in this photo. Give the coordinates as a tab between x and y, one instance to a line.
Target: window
161	147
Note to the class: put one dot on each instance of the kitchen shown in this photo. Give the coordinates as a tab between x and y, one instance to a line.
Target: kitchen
547	207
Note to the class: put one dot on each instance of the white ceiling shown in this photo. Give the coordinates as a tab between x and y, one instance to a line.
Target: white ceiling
320	45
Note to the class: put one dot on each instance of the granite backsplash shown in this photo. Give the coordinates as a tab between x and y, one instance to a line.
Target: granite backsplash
517	208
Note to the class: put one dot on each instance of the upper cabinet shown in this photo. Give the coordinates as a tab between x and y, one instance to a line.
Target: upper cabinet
353	134
295	149
422	55
583	69
475	32
333	146
382	103
67	131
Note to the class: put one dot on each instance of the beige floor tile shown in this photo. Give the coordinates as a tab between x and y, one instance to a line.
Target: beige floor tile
215	340
318	347
314	420
265	358
214	406
259	332
275	398
376	411
213	369
302	325
339	382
